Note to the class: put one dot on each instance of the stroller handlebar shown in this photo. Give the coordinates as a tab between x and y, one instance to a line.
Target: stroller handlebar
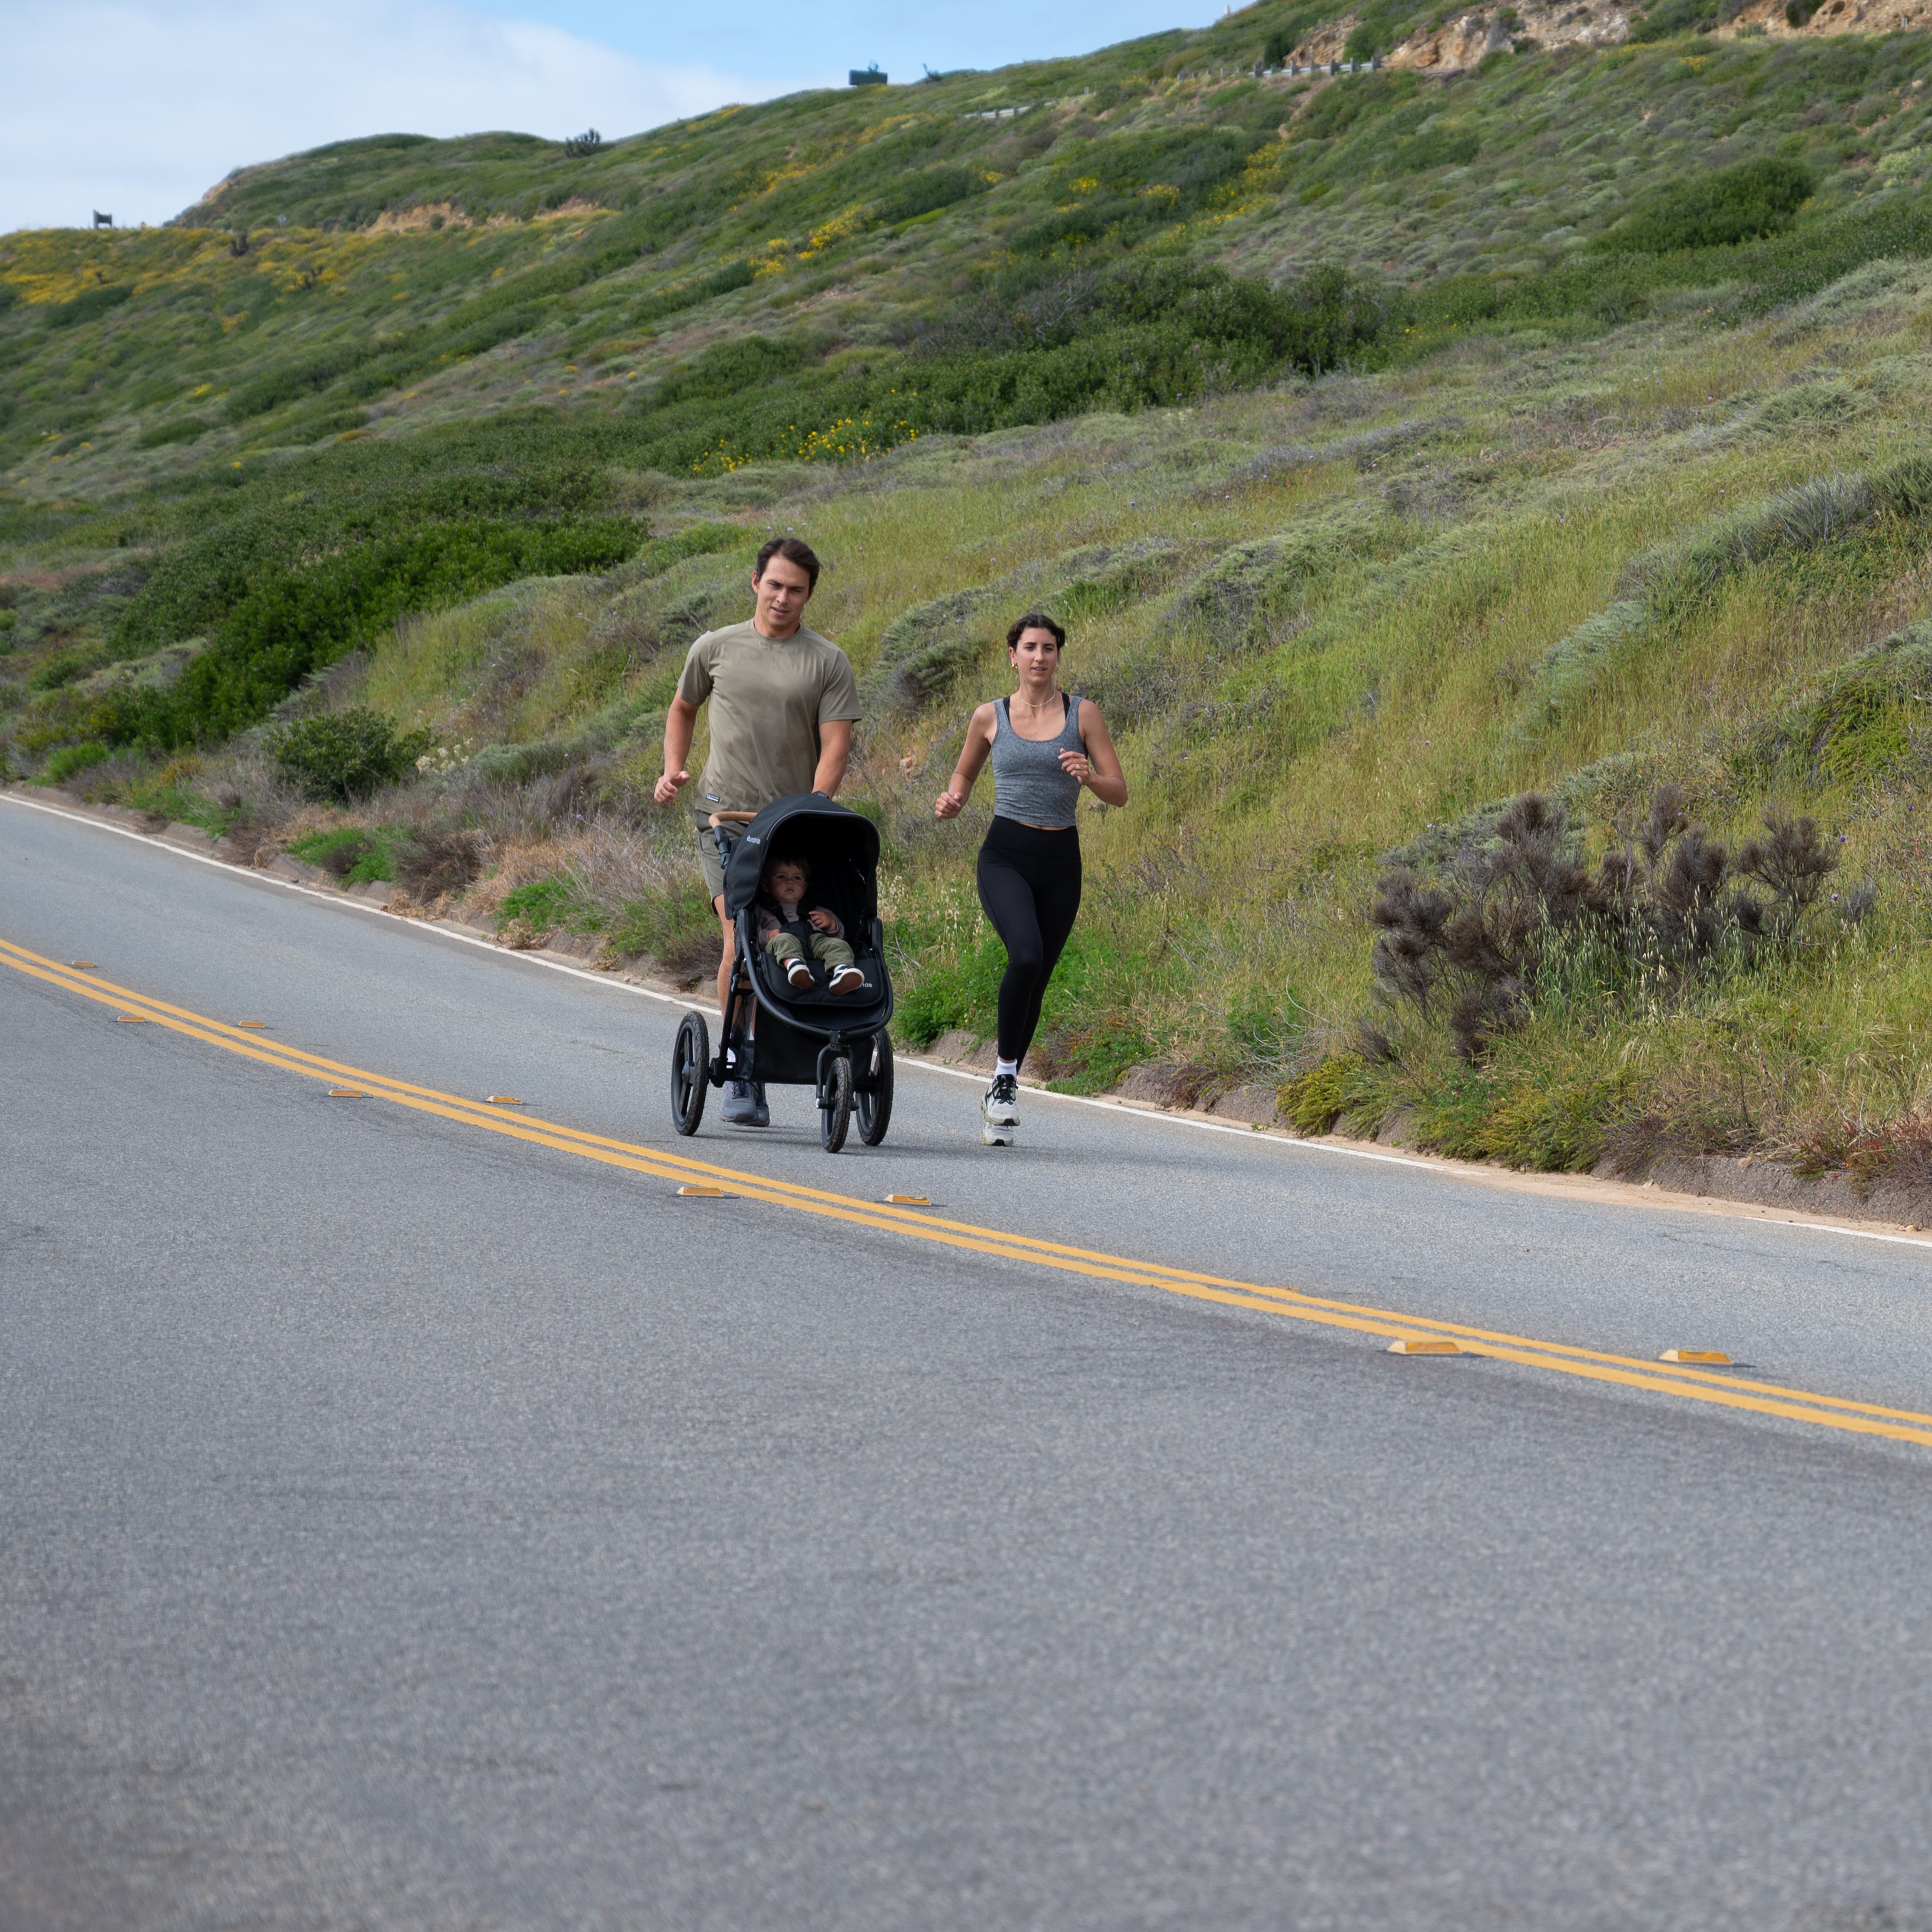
718	818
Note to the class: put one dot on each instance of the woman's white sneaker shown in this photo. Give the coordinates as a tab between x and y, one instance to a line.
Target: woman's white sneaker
1000	1113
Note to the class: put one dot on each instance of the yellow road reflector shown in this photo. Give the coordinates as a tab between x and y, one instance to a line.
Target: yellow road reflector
1425	1348
131	1019
253	1026
85	965
502	1100
1709	1358
704	1193
347	1093
909	1200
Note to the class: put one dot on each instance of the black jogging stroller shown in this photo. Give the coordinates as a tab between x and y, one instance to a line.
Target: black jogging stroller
835	1042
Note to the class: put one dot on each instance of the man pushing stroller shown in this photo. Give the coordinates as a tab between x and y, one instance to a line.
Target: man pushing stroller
783	703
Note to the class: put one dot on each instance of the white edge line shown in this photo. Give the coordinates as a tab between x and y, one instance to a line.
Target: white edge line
1155	1117
349	901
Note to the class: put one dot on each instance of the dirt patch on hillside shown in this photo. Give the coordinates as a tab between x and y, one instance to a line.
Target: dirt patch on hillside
413	220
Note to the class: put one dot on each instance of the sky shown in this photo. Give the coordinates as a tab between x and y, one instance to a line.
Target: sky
137	107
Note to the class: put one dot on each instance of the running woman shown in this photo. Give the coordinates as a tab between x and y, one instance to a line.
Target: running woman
1045	744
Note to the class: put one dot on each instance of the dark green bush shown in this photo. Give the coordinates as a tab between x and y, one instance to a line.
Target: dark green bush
72	758
345	755
669	301
545	904
69	667
1739	204
1438	148
1192	162
679	929
299	620
183	429
90	305
1669	18
933	188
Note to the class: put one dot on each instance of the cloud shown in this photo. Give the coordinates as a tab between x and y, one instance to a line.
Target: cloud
137	110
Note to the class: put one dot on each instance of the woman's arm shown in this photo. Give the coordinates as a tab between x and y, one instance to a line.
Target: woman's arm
972	757
1098	767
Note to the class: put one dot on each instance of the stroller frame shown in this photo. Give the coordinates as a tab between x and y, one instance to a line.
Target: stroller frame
838	1045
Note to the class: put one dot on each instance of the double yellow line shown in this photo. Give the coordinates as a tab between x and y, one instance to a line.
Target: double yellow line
1689	1385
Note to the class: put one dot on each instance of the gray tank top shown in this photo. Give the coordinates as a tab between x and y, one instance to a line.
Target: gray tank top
1028	784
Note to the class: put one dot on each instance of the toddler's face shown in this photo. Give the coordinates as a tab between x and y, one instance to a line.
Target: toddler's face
787	884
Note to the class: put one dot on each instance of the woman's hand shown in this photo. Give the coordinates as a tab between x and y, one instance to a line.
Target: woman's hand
1075	766
949	805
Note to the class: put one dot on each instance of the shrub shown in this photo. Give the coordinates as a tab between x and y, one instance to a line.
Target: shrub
353	854
437	860
1512	926
679	929
276	624
1739	204
1438	148
933	188
69	667
71	759
1315	1100
545	904
345	755
1672	17
89	306
184	429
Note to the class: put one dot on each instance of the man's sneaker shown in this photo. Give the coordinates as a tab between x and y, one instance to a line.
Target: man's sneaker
847	980
799	974
745	1104
1000	1112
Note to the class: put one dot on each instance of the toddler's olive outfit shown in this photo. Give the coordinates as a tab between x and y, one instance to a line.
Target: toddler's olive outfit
786	937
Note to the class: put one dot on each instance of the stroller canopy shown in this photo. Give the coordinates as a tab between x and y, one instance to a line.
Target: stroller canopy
842	847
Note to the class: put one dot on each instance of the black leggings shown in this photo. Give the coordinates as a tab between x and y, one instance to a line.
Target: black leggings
1029	886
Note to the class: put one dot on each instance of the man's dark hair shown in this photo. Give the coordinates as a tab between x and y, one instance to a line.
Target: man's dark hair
1034	620
793	550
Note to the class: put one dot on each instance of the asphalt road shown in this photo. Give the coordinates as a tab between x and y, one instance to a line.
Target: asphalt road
407	1525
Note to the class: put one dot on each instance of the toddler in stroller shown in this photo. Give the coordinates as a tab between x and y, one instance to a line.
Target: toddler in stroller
787	927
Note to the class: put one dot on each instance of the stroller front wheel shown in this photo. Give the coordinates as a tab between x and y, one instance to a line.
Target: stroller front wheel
690	1073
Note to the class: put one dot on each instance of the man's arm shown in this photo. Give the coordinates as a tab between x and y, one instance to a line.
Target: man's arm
680	721
834	753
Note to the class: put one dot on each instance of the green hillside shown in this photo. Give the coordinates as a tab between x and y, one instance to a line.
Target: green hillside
1393	445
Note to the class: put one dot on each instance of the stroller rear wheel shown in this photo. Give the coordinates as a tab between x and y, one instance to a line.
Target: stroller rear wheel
835	1102
690	1073
873	1096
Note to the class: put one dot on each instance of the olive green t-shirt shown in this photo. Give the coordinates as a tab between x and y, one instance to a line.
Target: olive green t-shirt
768	697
